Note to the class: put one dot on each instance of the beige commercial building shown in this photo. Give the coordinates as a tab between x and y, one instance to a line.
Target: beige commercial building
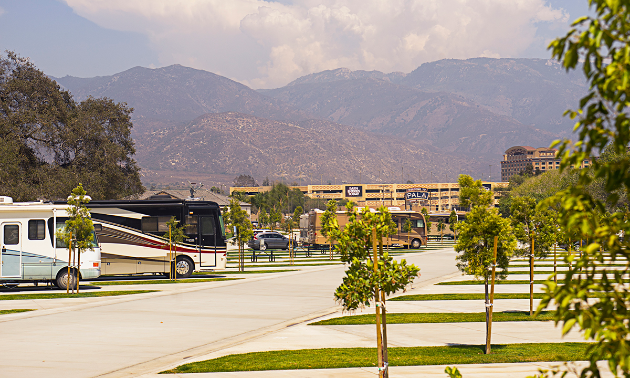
440	196
517	158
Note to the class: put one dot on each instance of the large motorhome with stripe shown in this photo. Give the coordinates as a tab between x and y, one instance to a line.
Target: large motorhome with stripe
134	236
30	250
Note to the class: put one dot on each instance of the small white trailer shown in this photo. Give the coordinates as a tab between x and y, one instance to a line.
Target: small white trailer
30	250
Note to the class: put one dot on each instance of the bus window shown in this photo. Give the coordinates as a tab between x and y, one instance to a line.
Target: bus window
207	226
155	224
417	223
61	244
11	234
191	225
36	229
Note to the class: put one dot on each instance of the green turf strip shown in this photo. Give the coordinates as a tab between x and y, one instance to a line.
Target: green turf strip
247	272
162	281
404	318
89	294
565	265
330	358
283	265
504	282
14	311
463	297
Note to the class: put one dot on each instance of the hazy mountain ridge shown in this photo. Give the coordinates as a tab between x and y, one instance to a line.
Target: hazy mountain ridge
238	143
444	120
447	112
178	94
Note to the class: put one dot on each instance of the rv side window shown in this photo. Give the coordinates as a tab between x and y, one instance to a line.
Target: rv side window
36	229
419	223
155	224
11	234
207	226
191	225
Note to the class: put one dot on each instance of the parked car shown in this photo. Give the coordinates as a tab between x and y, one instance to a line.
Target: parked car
257	231
271	240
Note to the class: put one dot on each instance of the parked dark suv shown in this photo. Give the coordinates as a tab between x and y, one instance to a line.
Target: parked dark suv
272	240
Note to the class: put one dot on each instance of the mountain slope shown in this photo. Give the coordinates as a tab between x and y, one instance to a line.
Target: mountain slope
443	120
178	94
234	143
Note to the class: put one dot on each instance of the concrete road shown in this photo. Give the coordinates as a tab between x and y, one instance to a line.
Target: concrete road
145	333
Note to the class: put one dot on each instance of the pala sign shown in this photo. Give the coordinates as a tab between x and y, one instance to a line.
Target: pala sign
417	194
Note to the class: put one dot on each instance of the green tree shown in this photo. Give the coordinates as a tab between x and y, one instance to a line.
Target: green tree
49	143
274	218
533	227
77	235
440	228
428	224
330	224
371	274
239	219
452	220
263	218
476	237
600	45
173	237
297	213
406	228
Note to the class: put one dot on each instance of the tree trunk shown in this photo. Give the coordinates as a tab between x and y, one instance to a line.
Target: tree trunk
531	279
379	341
487	310
384	322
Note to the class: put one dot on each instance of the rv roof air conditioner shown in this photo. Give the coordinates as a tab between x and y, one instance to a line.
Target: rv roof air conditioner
4	200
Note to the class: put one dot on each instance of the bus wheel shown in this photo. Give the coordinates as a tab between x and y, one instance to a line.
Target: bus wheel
415	243
185	267
63	278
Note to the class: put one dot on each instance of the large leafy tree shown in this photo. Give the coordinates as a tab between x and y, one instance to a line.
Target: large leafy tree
49	143
599	45
476	234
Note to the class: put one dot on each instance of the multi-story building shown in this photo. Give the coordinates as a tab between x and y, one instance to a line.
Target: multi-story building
517	158
441	196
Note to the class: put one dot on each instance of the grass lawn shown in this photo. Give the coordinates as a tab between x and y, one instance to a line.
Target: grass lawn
463	297
89	294
246	272
405	318
162	281
504	282
329	358
14	311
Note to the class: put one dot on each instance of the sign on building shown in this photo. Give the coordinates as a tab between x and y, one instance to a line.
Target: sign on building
417	194
354	191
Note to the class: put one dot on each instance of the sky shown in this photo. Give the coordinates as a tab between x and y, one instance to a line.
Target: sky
267	44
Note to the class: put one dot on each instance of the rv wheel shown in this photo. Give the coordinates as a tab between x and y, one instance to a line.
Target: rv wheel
415	243
62	279
185	267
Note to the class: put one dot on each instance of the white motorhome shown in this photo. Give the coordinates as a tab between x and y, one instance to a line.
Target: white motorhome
30	250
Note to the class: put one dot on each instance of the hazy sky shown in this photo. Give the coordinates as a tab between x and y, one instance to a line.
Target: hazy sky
266	44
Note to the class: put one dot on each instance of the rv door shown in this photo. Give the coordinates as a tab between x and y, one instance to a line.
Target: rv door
207	238
11	256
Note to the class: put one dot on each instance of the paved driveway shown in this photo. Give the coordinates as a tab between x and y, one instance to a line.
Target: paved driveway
144	333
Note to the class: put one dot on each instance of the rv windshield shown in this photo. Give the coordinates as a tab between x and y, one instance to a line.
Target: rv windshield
60	244
222	226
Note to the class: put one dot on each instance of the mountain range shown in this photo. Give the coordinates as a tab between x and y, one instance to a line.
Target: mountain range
442	119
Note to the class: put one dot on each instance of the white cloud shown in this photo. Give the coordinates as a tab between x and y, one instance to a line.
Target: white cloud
2	11
267	44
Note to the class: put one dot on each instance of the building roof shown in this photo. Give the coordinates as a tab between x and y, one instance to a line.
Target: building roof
203	194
